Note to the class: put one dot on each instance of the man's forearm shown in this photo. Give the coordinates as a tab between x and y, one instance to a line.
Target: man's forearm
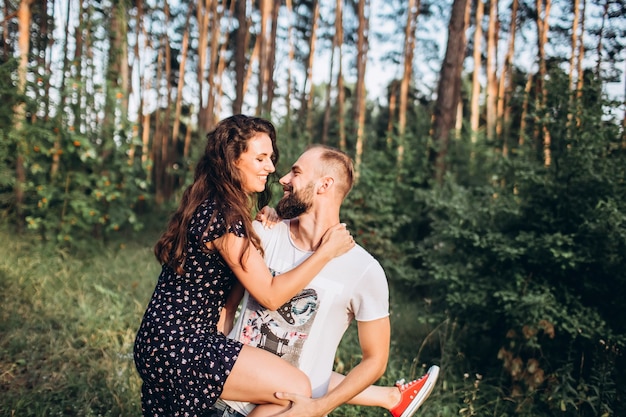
358	379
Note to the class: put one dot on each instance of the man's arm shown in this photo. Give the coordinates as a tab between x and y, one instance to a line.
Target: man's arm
374	337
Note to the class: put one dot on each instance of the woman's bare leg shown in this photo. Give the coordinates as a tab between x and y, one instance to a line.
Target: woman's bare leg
257	375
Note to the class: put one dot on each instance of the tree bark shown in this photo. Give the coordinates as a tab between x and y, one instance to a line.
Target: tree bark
181	75
449	88
413	10
290	60
262	40
202	15
341	96
214	48
24	17
271	60
542	134
360	97
503	109
492	88
327	103
308	92
241	46
477	58
56	146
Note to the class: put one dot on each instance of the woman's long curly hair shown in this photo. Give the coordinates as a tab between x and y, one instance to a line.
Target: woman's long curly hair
216	177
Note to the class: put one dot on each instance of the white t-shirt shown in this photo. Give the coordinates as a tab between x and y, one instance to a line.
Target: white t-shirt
306	331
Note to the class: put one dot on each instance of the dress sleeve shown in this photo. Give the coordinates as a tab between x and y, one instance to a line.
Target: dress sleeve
208	224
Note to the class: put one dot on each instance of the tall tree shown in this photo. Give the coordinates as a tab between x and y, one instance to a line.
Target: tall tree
340	88
504	85
413	9
181	76
477	58
331	69
241	46
449	88
541	133
271	60
24	17
308	90
215	29
490	69
363	9
203	16
265	7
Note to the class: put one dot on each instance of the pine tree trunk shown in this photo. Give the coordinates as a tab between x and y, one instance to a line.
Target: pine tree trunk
290	60
241	46
341	97
449	88
327	102
24	17
181	81
409	48
214	48
492	88
56	146
542	134
222	60
392	99
202	14
477	57
503	108
271	61
265	6
308	96
361	66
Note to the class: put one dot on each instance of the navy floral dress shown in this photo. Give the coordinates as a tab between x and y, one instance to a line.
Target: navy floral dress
181	357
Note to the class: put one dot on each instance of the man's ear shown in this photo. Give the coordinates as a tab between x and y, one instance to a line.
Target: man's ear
326	184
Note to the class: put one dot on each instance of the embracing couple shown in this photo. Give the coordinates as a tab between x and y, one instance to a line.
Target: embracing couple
302	281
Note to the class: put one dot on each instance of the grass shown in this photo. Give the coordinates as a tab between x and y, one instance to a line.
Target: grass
67	326
68	321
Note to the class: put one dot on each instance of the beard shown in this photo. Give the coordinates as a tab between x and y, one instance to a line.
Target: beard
295	203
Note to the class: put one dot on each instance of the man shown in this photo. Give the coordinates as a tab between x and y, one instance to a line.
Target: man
307	330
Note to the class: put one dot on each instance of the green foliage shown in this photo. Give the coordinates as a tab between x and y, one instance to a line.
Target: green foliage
77	185
533	267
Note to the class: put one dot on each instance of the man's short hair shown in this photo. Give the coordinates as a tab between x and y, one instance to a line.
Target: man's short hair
339	163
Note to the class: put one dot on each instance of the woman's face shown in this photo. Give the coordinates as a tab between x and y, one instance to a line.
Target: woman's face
255	164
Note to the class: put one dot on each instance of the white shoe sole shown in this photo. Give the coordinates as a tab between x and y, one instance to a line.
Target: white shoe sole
422	395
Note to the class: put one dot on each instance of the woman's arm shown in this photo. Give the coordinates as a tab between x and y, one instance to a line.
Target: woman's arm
273	292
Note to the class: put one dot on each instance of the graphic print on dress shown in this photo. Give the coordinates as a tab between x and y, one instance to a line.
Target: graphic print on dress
284	331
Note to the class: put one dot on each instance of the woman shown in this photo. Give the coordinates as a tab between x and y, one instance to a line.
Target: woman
184	361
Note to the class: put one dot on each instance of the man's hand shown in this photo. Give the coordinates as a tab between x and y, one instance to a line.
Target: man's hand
302	406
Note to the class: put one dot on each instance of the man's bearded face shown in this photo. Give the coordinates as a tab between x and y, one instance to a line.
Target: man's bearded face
295	203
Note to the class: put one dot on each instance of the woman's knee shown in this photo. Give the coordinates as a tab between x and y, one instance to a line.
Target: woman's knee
300	384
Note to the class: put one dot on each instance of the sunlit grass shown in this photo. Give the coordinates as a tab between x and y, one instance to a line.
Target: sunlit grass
68	320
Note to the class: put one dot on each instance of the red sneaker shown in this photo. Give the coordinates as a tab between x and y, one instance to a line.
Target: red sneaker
415	393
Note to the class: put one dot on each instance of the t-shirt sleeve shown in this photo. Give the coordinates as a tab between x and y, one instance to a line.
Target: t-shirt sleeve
371	295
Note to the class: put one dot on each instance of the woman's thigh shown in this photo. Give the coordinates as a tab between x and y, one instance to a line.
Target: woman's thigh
258	374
